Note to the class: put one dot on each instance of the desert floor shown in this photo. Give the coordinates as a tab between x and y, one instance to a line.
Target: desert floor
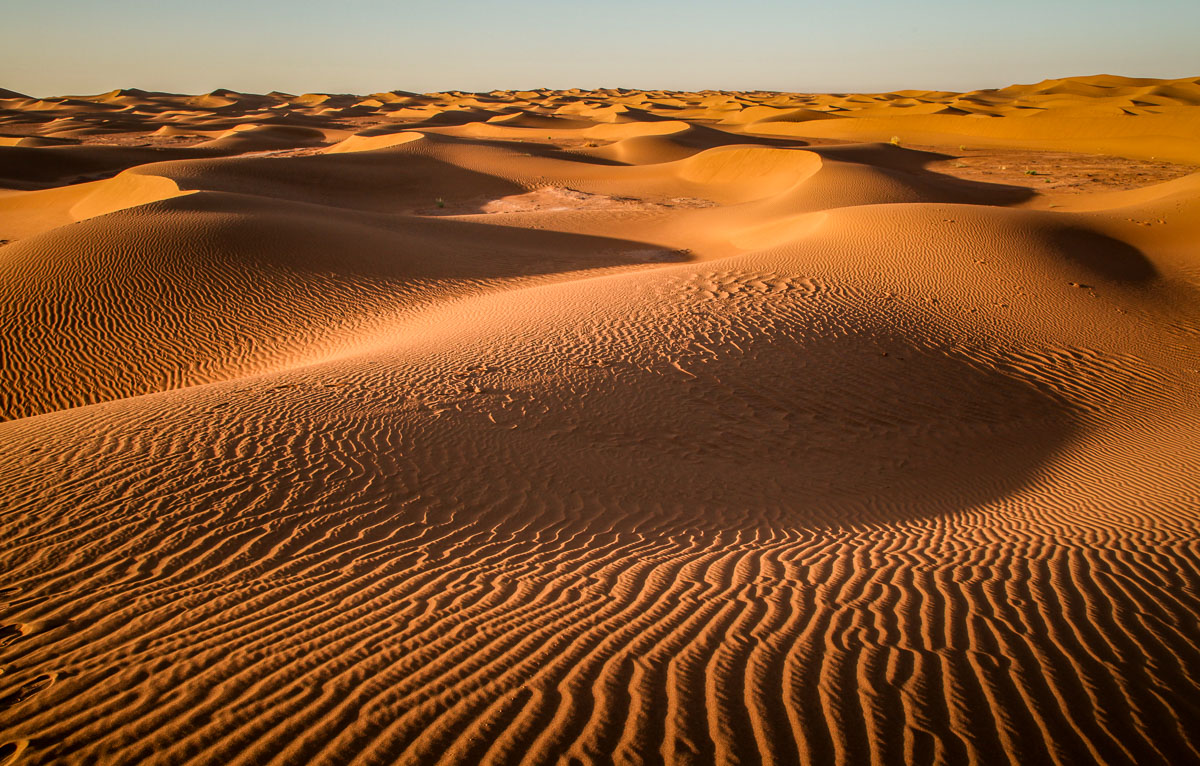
601	427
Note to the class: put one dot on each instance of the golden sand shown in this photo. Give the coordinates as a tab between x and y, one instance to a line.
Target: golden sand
601	427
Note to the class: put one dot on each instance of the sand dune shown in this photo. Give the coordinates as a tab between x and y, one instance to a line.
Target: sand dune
601	427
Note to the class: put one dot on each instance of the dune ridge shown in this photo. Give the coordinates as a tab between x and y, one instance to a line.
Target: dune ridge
601	427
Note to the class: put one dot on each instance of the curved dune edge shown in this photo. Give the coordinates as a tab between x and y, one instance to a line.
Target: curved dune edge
125	191
365	143
597	427
758	164
29	213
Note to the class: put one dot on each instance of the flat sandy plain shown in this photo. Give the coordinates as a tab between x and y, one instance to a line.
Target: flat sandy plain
602	427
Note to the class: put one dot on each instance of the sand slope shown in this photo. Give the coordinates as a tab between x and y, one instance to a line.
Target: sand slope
600	426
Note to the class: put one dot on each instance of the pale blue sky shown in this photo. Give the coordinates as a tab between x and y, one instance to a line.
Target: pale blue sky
56	47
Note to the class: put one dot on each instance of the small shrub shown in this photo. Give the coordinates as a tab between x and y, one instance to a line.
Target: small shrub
895	141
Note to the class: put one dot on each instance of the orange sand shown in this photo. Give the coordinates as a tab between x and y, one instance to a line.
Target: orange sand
601	426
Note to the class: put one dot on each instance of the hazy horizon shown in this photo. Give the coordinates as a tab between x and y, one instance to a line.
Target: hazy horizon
302	91
70	47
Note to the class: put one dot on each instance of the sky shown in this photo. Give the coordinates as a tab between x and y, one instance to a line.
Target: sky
77	47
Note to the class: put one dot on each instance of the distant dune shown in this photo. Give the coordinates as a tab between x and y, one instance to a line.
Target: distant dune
601	427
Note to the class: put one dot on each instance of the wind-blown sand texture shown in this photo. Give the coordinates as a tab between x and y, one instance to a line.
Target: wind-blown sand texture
601	427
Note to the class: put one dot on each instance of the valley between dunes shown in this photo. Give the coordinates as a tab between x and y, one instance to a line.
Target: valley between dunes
601	427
